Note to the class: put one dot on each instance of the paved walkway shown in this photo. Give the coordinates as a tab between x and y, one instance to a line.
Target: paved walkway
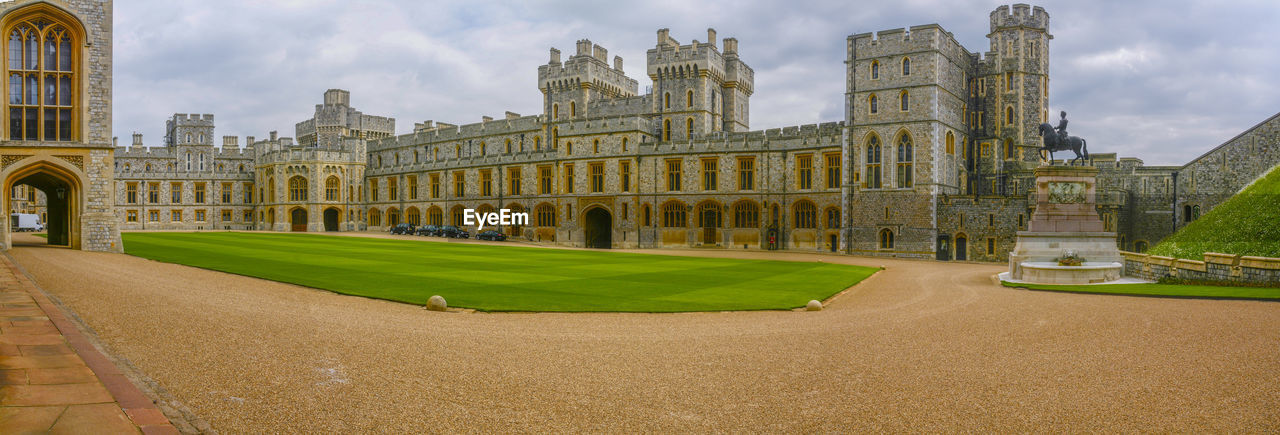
52	379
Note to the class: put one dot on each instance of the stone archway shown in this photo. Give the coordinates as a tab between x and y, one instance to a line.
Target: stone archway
64	200
331	216
298	219
597	228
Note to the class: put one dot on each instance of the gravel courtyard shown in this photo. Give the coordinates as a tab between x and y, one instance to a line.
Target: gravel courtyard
922	345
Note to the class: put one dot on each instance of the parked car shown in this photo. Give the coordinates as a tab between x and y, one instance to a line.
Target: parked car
405	229
454	232
427	230
491	235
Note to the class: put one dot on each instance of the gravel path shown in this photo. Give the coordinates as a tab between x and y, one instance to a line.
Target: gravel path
923	346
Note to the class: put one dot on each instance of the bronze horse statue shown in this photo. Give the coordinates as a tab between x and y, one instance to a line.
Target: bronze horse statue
1054	142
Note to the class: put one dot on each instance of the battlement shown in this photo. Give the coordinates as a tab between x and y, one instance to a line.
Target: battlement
337	97
589	67
1020	15
183	119
433	131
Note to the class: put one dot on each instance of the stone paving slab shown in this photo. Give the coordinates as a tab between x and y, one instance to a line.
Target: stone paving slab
52	379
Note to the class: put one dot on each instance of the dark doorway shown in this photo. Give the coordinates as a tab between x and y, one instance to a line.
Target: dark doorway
331	219
710	220
598	228
298	218
962	248
833	242
59	205
944	248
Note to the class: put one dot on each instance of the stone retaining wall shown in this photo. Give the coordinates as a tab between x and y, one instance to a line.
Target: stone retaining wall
1215	268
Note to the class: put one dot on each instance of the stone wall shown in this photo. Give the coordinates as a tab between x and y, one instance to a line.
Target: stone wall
1215	268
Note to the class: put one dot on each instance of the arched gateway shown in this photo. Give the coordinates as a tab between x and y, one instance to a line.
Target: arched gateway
598	228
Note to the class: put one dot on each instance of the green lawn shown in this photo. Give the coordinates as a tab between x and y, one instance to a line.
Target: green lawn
1174	290
1245	224
503	278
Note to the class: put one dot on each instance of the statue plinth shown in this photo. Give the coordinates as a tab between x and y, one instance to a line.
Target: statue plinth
1065	221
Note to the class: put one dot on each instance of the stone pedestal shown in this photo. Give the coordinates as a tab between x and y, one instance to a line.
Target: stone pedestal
1065	220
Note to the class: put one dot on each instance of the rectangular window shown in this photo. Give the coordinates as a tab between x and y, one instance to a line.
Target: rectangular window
459	184
226	193
131	216
624	175
393	189
710	168
248	195
568	178
673	175
226	215
435	186
373	190
991	246
833	171
153	193
597	177
131	193
247	216
175	193
175	216
486	183
544	180
804	172
200	216
200	191
746	173
153	216
412	180
513	180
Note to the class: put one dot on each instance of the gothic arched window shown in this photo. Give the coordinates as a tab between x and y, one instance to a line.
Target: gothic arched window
41	68
905	156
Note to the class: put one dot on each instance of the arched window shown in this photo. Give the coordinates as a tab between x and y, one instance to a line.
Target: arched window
746	214
332	189
555	137
666	100
674	215
904	101
375	218
42	93
188	138
508	147
573	109
710	215
689	99
906	66
1008	115
537	143
688	128
951	143
546	215
666	129
833	217
872	177
886	239
298	188
271	189
805	215
555	111
456	215
201	138
412	217
875	69
873	104
1008	149
435	216
188	161
595	146
624	144
905	156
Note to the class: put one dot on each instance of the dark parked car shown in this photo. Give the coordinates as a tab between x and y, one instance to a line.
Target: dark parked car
405	229
427	230
491	235
453	232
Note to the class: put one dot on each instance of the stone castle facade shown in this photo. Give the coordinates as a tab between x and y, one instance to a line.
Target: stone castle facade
934	158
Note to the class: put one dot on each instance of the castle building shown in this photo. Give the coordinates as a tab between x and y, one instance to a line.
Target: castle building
933	159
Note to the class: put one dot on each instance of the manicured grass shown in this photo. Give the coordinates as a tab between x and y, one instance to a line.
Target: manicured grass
1173	290
503	278
1246	224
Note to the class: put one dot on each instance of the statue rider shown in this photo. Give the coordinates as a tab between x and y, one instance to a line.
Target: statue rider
1062	128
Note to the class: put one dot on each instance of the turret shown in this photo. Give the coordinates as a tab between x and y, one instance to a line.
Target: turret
569	88
698	90
1018	73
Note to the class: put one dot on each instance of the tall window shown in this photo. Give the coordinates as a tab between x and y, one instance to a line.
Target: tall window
688	128
297	189
833	171
906	66
435	185
1008	149
412	183
513	180
332	189
486	183
709	169
886	239
673	175
153	193
873	104
248	195
226	193
806	215
597	177
1008	115
875	69
624	174
904	160
546	215
904	101
951	143
573	108
175	193
393	190
131	193
666	129
544	180
872	177
674	214
746	173
568	178
459	184
666	100
804	171
41	81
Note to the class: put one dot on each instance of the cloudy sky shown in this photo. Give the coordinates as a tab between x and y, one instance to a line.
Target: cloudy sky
1160	80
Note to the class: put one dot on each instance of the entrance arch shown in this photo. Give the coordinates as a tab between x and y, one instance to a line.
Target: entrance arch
298	217
598	228
331	219
962	247
63	195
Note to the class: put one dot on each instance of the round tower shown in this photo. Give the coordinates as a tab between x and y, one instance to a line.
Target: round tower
1020	39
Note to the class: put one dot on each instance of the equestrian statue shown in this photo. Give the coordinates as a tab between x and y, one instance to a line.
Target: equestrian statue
1056	139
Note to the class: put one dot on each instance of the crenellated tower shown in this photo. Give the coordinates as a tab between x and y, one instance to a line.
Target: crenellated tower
1016	73
569	87
699	88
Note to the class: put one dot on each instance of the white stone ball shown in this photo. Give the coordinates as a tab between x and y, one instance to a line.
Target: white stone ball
813	305
436	303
